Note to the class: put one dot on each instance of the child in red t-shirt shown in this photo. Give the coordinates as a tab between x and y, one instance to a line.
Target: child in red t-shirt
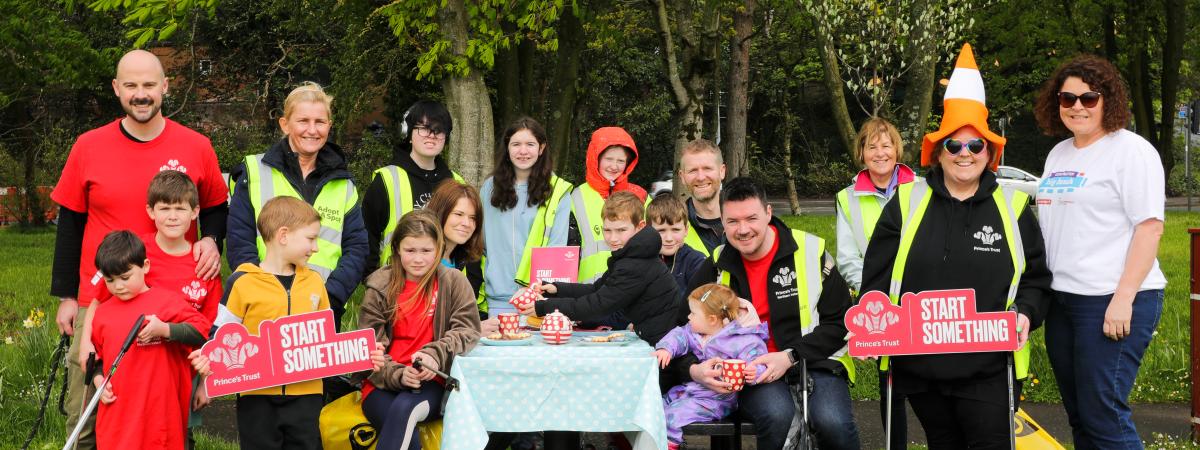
173	203
146	406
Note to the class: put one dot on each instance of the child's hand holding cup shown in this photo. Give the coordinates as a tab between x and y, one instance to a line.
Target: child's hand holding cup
734	371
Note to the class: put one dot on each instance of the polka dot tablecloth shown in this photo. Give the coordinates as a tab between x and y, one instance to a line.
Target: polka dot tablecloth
555	387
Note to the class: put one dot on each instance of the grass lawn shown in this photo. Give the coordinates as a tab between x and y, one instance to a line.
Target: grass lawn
28	334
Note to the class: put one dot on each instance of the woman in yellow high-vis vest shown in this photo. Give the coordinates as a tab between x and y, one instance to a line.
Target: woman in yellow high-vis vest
305	165
410	180
879	149
958	229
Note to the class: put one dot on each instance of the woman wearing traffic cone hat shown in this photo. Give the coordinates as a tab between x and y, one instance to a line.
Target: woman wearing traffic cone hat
960	230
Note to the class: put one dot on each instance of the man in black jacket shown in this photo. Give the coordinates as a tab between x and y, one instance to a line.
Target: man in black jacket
796	289
637	283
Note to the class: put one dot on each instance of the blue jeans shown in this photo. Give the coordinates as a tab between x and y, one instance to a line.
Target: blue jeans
771	408
1095	374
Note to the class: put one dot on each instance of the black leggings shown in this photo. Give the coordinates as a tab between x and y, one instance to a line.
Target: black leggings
956	422
395	414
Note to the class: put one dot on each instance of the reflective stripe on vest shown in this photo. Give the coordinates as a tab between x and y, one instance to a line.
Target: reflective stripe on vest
693	240
333	202
808	288
862	215
914	200
539	232
400	202
586	205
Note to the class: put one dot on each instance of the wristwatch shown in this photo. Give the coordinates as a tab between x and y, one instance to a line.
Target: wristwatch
791	354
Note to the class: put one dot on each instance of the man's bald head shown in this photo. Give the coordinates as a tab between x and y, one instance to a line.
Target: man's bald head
140	62
141	84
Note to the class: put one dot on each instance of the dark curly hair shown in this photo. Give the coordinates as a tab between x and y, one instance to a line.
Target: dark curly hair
1101	76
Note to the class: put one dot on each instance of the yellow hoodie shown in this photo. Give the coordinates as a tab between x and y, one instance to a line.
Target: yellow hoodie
255	295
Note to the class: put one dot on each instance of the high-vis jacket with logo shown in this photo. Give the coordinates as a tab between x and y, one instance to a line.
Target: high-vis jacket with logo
807	298
858	208
990	242
342	242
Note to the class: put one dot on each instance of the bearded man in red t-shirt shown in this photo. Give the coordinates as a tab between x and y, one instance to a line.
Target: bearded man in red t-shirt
103	188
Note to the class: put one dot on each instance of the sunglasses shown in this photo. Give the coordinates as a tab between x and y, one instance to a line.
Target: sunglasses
1089	99
976	145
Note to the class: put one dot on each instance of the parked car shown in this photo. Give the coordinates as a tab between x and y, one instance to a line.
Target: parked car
663	184
1018	179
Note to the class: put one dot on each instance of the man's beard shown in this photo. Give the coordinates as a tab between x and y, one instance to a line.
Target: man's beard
150	115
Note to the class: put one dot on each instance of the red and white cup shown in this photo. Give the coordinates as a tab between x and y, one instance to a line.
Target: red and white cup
510	323
523	298
733	371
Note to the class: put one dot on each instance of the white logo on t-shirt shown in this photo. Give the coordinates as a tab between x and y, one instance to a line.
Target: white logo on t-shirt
195	291
173	165
785	277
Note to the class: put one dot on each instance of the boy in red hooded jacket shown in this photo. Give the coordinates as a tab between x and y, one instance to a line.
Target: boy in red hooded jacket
611	157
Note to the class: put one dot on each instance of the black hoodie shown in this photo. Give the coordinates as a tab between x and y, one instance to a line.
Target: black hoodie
828	337
637	283
949	252
376	204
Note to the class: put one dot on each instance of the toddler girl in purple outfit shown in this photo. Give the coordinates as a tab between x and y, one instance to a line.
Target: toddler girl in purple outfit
717	328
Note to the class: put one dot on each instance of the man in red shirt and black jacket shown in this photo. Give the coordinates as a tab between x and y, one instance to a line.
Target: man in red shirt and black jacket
796	289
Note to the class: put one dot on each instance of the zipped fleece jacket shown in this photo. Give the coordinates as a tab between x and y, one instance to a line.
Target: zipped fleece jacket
242	237
637	284
949	252
455	322
828	337
253	295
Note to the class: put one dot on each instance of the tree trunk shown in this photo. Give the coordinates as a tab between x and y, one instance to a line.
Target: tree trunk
508	81
793	196
918	96
571	44
527	53
688	74
1110	32
739	90
1139	76
835	87
1172	51
471	145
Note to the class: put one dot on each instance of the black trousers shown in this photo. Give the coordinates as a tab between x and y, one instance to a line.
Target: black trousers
977	420
279	422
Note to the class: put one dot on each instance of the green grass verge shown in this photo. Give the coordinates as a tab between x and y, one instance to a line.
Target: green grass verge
25	350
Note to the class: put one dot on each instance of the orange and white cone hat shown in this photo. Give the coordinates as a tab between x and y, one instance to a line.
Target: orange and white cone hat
963	106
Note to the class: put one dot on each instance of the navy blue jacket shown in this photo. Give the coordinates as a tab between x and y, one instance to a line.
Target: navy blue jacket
242	247
684	265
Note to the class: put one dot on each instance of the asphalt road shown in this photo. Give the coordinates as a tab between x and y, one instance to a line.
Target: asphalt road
822	206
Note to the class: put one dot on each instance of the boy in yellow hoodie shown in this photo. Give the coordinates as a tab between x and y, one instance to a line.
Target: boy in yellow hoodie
282	285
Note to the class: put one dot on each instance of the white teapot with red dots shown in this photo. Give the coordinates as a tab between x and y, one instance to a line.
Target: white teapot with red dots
556	328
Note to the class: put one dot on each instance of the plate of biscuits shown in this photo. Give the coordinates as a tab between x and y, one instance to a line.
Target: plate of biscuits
520	338
613	339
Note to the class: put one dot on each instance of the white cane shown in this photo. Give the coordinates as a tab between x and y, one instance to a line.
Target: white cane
91	405
1012	410
888	426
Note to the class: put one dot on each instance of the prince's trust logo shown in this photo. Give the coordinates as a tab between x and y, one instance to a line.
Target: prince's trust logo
988	237
785	277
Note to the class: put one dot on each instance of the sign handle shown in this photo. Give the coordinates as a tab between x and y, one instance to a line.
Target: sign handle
1012	409
888	433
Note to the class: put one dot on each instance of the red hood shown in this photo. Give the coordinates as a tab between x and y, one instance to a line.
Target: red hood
604	138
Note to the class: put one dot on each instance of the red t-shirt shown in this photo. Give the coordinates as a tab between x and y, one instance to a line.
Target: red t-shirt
756	276
153	385
177	274
106	177
412	329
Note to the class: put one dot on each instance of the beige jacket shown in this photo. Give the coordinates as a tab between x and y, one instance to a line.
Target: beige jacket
455	322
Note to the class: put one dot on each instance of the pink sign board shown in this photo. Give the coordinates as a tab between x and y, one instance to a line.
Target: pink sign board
554	264
288	350
931	322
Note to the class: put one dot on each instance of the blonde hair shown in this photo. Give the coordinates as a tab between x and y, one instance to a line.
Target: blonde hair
307	92
419	223
716	300
871	130
703	146
623	205
284	211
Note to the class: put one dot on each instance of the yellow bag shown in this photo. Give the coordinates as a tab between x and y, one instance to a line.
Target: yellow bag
1031	436
344	427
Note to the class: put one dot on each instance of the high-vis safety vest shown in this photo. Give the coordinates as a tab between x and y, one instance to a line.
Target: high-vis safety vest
586	206
863	212
914	200
400	202
336	198
693	240
810	248
539	232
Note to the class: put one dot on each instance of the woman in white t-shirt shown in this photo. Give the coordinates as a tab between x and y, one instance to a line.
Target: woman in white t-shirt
1100	205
